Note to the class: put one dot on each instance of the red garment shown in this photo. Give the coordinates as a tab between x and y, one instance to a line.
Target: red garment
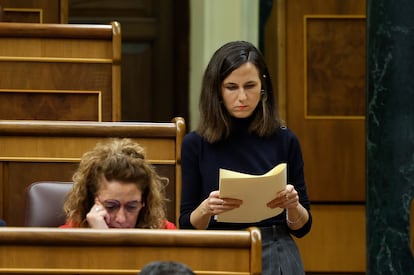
167	225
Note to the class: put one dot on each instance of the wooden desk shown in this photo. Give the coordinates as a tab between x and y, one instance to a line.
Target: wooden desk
126	251
33	151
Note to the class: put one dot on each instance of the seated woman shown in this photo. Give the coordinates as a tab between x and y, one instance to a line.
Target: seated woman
116	187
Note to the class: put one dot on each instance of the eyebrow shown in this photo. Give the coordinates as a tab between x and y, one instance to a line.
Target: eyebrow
247	82
117	201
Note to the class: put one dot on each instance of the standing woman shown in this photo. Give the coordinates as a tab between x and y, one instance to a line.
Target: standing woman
239	130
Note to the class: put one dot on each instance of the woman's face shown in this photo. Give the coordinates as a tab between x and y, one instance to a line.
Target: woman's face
122	202
241	91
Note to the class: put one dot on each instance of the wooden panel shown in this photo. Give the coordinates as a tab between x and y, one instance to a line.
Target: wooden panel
51	105
339	154
87	98
48	47
319	69
335	82
35	11
22	15
324	87
117	251
337	241
50	151
319	72
137	55
66	62
3	178
155	53
129	8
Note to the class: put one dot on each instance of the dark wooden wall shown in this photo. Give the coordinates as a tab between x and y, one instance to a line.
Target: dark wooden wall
155	50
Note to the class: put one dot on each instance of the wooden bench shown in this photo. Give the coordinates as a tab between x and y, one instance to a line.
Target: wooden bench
32	151
60	71
126	251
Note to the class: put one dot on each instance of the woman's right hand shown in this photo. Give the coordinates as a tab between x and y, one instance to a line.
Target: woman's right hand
97	216
213	205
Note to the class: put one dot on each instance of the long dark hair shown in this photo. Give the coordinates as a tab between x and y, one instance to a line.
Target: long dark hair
215	120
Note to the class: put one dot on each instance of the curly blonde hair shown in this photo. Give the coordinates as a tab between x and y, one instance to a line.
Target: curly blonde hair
122	160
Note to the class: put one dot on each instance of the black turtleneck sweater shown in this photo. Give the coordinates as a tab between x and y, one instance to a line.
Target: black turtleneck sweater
242	152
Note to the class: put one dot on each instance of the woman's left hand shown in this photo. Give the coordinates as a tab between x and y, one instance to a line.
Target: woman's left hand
287	198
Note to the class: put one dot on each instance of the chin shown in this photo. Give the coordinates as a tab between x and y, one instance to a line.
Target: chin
242	115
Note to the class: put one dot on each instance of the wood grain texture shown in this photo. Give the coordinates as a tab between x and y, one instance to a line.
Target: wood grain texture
50	71
89	251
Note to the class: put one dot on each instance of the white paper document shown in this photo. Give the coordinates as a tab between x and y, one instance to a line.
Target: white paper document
255	191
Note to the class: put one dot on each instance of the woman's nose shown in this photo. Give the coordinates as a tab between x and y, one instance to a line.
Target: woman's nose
120	215
242	94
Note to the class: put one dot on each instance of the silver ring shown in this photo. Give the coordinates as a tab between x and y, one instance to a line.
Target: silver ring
97	209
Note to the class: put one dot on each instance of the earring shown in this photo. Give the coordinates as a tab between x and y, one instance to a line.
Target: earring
262	92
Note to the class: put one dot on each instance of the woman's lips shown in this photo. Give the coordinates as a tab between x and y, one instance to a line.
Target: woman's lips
241	107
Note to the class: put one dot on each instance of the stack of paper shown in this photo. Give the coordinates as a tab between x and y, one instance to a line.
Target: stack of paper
255	191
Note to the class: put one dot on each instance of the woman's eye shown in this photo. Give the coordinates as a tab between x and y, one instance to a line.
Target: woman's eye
232	88
111	207
250	86
131	208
